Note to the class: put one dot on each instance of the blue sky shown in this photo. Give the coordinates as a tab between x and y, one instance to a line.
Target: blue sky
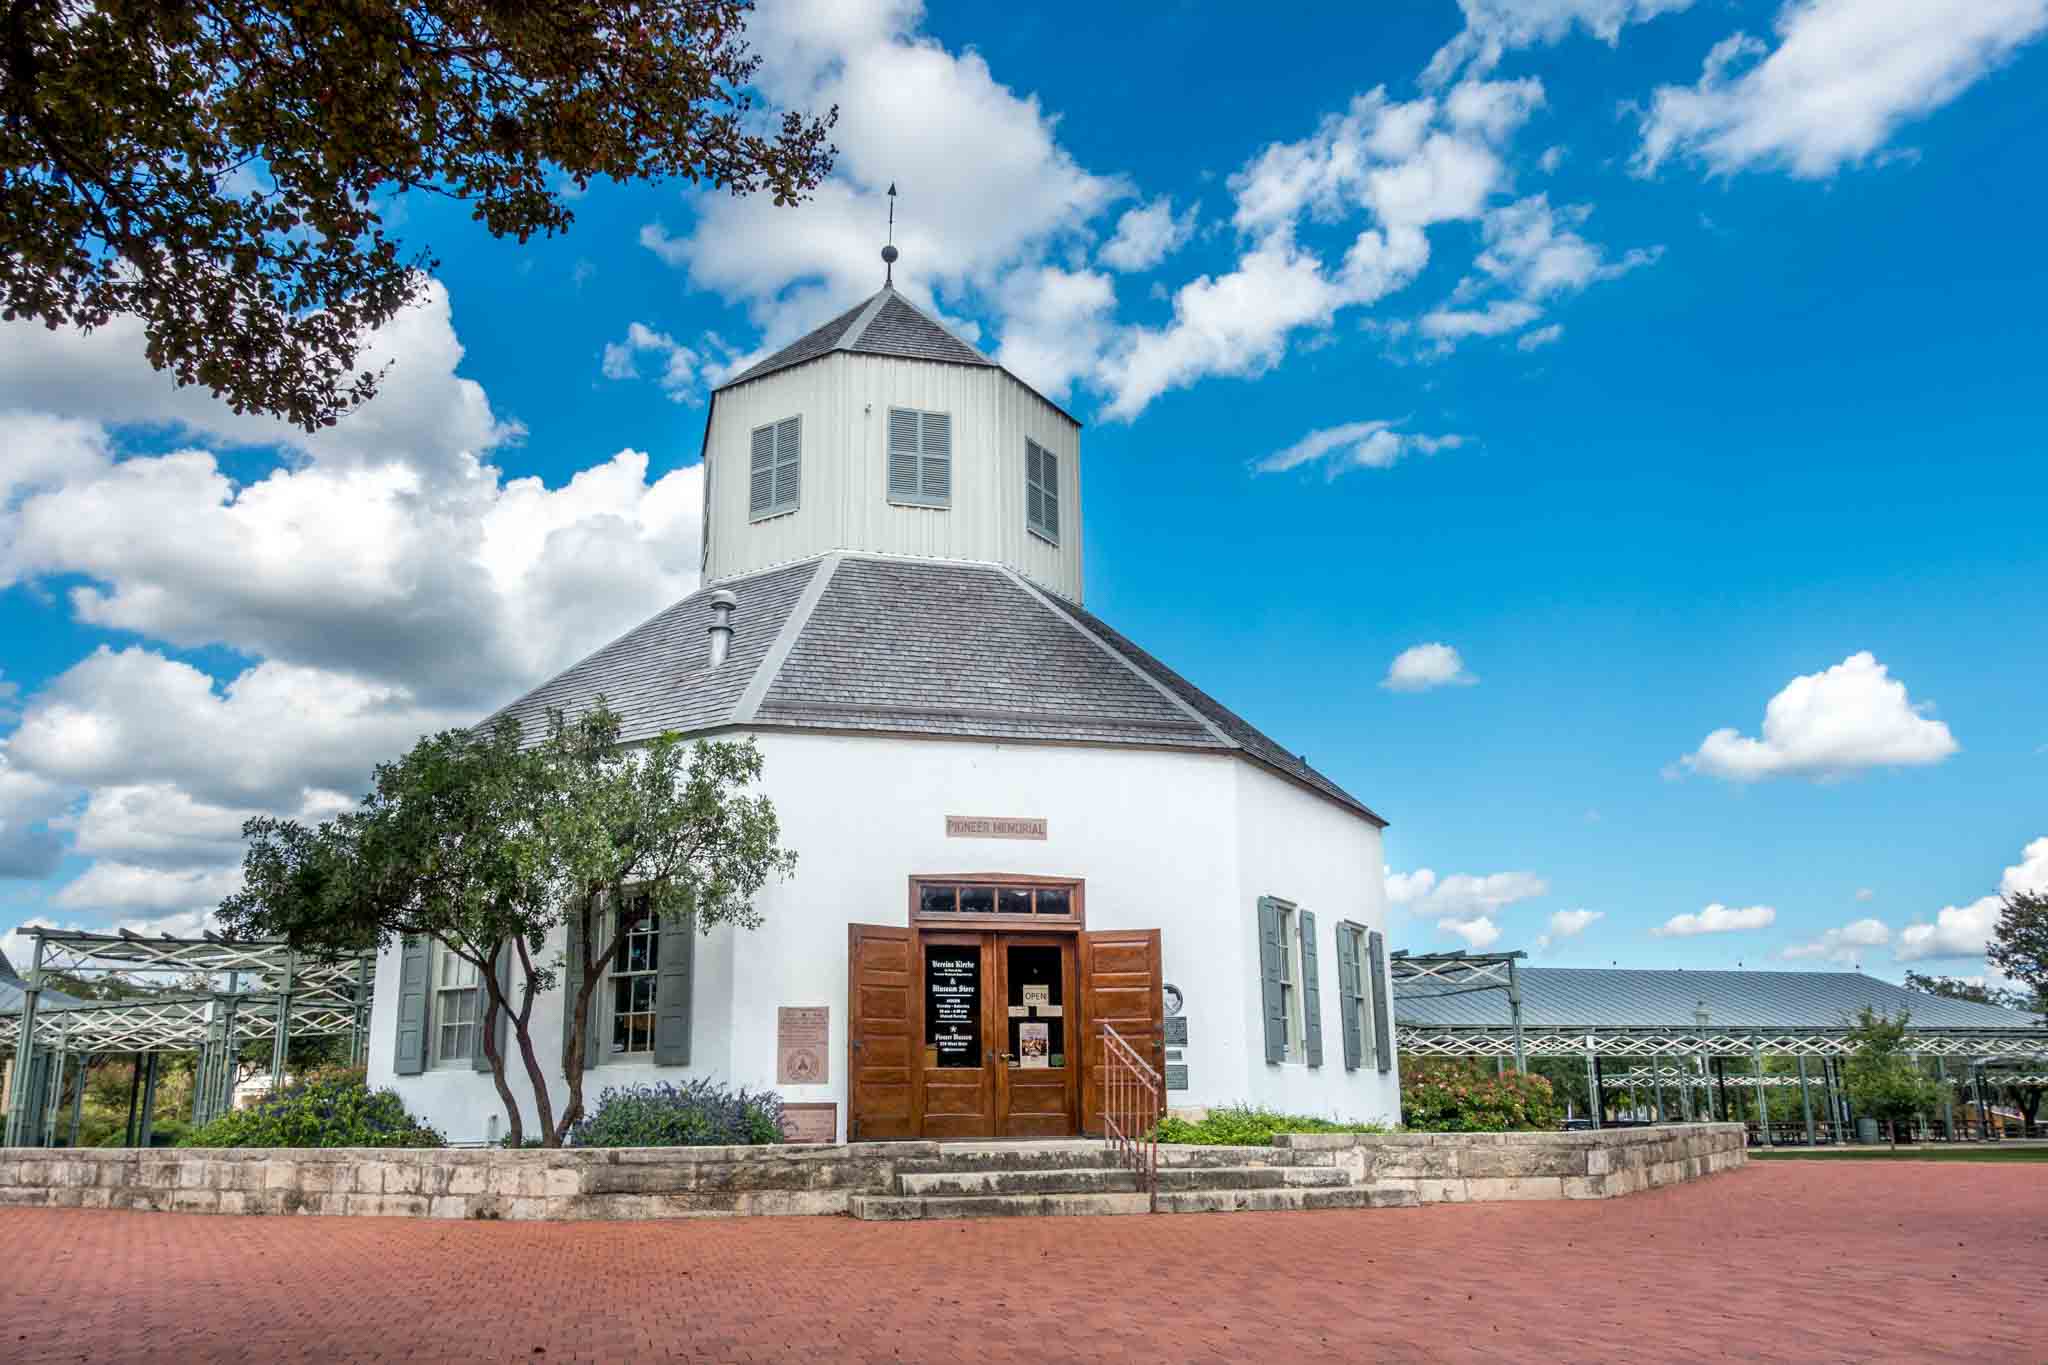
1649	357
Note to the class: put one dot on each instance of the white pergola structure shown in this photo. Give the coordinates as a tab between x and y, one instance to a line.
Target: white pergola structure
209	996
1680	1029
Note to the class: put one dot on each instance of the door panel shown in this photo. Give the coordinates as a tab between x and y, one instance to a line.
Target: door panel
880	1025
1036	1101
956	1072
1121	984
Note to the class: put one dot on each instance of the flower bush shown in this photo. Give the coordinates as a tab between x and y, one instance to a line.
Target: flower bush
1245	1125
1463	1097
699	1113
324	1109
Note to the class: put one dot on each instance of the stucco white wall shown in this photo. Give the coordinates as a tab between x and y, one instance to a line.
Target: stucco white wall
1178	841
844	401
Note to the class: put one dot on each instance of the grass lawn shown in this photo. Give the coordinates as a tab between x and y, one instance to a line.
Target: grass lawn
1917	1153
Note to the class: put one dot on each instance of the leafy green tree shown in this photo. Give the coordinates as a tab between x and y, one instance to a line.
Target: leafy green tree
221	169
489	847
1955	988
1884	1080
2019	943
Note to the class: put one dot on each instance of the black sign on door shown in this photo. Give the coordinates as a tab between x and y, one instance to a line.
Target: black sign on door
952	1005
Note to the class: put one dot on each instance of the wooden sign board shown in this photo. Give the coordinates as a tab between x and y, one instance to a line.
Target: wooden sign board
803	1045
813	1123
994	827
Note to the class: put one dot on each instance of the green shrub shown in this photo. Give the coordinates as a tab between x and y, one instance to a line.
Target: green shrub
1245	1125
699	1113
329	1109
1463	1097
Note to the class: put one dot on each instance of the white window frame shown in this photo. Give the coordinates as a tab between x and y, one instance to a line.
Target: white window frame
457	1004
1291	980
621	969
1048	492
777	506
1361	946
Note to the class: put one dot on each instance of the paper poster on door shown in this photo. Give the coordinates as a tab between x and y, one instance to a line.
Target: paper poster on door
1034	1044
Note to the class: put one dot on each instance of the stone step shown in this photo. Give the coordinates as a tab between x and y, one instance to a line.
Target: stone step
1088	1154
1096	1180
874	1207
1018	1180
1276	1200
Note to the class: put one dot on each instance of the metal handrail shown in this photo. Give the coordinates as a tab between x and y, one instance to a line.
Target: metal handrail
1131	1092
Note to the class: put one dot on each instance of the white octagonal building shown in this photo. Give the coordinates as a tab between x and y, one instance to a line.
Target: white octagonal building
1014	825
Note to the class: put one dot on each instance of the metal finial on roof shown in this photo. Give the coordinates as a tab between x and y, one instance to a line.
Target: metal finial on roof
889	252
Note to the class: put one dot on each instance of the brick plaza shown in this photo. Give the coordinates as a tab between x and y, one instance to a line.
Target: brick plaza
1792	1261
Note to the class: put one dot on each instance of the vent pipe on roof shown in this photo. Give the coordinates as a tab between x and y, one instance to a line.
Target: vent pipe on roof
720	629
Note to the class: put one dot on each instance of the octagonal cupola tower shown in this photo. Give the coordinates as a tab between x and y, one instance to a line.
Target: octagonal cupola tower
882	432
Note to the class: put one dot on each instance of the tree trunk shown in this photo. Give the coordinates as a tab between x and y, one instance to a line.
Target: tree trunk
515	1131
573	1047
543	1102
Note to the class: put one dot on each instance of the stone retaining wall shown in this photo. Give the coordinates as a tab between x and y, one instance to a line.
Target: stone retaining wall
663	1182
1456	1167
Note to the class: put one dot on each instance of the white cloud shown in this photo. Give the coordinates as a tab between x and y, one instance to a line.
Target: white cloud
1419	668
1864	893
985	186
1478	932
1532	254
1717	919
1567	924
1147	235
382	578
1423	894
1844	76
1827	725
1494	26
1845	944
1539	337
1375	444
121	888
1965	930
1552	158
677	364
1056	324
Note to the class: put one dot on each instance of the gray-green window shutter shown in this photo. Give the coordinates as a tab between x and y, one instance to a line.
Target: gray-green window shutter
1050	479
936	471
1382	1036
902	453
672	991
789	467
761	472
415	955
480	1059
1348	996
1272	1005
1311	989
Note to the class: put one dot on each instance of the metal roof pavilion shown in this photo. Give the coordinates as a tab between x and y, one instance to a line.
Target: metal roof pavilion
1622	1012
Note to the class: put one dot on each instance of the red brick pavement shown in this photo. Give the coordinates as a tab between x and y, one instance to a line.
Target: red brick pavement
1794	1261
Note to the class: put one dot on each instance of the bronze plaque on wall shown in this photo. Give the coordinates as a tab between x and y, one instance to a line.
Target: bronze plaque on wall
810	1122
803	1039
994	827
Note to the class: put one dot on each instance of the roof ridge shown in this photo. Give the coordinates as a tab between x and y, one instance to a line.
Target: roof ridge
765	673
850	338
905	300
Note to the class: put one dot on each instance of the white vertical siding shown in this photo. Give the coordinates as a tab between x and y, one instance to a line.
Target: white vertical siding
844	400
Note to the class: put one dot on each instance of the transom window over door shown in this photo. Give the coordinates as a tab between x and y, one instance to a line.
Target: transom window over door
457	1008
1039	900
920	457
1041	490
775	469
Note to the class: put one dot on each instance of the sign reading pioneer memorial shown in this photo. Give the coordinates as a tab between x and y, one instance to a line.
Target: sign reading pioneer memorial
803	1036
994	827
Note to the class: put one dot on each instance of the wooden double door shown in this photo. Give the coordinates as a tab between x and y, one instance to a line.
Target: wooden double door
959	1033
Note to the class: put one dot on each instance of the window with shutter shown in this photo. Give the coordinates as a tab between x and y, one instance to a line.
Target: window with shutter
1311	991
775	469
1041	490
920	458
1351	967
